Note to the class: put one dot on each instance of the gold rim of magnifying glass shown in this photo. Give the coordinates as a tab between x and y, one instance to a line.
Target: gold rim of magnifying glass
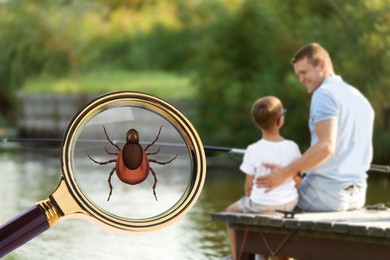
172	115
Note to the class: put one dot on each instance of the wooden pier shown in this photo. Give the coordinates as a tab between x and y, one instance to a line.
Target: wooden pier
359	234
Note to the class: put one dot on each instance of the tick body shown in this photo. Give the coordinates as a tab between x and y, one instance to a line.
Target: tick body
132	162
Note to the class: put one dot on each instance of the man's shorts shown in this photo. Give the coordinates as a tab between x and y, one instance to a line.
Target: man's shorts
347	198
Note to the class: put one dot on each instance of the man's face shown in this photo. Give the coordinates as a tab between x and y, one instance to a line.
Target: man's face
309	75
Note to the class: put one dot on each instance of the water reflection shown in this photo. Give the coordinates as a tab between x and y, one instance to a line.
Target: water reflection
31	174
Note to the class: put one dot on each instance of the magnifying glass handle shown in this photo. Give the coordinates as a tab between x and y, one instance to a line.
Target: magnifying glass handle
23	228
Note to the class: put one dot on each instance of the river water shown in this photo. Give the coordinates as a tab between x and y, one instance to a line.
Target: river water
30	174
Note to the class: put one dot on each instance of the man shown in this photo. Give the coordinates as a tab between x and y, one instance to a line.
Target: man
341	126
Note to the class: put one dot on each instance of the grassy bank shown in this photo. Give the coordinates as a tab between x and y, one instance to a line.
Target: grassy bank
162	84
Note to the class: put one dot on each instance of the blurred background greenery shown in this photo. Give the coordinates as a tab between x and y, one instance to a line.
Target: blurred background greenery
220	55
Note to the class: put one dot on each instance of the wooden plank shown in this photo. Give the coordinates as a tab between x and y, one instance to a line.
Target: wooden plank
302	247
387	233
361	234
276	222
308	225
292	223
358	223
324	226
342	228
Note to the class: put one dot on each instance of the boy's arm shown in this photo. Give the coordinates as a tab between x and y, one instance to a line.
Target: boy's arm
248	185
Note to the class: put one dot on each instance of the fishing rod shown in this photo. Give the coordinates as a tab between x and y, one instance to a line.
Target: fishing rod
58	141
209	148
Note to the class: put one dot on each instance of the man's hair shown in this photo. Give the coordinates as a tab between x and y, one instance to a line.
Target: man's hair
314	53
266	112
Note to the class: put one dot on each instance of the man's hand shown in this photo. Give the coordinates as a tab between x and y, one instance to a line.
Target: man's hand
273	179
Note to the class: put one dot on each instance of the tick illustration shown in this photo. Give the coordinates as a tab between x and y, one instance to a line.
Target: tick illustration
132	162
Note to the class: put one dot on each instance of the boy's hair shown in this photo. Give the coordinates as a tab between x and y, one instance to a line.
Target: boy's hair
314	53
266	112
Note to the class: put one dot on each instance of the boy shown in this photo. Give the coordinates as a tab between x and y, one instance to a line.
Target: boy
268	115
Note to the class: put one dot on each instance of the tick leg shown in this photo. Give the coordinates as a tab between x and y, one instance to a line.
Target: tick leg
109	183
108	139
163	163
110	153
101	163
153	153
155	183
159	131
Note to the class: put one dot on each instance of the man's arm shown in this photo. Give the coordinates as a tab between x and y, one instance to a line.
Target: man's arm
326	132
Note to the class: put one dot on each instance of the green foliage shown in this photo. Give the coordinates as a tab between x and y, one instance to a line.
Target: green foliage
32	44
239	63
250	49
163	84
236	51
15	57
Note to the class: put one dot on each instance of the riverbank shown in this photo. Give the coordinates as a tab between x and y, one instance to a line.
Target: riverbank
47	115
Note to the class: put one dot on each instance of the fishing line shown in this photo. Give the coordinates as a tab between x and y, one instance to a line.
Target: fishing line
235	153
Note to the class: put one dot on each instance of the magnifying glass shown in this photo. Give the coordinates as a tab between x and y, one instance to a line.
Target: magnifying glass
130	162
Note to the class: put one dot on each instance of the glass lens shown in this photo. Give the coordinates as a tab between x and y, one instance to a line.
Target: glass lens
133	162
133	197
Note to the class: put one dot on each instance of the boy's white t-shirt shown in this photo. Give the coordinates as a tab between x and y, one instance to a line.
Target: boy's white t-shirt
279	153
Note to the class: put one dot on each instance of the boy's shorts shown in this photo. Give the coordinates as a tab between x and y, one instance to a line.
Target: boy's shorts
246	205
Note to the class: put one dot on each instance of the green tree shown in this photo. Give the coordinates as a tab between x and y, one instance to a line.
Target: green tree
237	51
242	59
35	40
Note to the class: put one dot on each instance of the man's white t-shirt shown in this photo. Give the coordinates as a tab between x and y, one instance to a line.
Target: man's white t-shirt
279	153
